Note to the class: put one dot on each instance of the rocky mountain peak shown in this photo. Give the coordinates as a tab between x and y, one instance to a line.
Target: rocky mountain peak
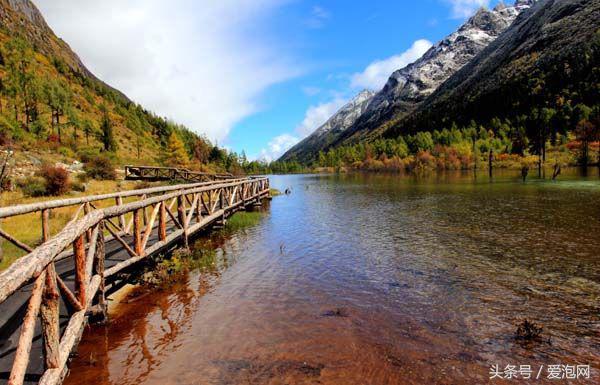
362	96
29	10
521	4
340	121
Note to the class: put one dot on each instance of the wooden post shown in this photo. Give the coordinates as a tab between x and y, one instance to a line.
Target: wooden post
182	219
45	224
21	360
49	314
145	215
137	233
199	208
80	273
490	163
99	270
119	201
162	221
1	240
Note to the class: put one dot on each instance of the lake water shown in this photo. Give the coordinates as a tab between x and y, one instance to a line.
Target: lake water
375	279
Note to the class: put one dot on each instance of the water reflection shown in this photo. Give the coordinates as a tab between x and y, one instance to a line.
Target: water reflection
371	279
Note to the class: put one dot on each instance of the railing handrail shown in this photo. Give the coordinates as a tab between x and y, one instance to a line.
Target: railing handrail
11	211
32	264
129	166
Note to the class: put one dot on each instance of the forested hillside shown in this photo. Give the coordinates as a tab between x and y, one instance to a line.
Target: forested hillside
52	108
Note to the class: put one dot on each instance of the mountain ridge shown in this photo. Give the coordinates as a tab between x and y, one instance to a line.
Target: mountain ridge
411	85
337	123
534	48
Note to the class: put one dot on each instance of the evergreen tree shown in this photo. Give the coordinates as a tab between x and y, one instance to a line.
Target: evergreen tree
57	96
106	131
88	129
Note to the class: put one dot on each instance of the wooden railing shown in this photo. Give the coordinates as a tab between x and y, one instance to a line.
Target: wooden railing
159	218
170	173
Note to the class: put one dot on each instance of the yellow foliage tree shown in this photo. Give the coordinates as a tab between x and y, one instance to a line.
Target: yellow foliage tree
177	156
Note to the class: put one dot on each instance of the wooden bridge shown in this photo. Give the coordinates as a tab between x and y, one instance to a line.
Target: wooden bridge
153	174
48	295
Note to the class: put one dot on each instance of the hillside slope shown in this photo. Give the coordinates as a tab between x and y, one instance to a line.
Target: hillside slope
52	108
548	59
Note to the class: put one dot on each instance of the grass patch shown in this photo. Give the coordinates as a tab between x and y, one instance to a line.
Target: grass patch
243	219
28	227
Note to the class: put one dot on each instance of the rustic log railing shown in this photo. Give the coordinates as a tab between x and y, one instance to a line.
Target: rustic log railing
150	173
160	218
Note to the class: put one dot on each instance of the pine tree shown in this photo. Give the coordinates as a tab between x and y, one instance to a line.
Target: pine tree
88	129
57	96
106	135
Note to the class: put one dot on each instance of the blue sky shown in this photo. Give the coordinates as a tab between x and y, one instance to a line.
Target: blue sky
251	75
333	42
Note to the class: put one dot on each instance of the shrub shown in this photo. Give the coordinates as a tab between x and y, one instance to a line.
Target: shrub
5	139
86	154
66	152
33	186
53	138
100	167
79	186
57	180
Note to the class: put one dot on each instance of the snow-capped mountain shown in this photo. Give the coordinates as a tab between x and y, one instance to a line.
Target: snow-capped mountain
409	86
556	41
333	127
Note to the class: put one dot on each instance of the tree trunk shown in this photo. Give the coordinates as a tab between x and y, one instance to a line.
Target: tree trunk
1	252
544	158
490	163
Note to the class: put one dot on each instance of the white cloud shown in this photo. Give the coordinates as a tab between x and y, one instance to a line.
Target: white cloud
461	9
318	17
378	72
315	116
311	90
193	62
277	147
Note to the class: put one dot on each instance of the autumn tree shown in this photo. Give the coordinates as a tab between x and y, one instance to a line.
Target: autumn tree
177	156
202	150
